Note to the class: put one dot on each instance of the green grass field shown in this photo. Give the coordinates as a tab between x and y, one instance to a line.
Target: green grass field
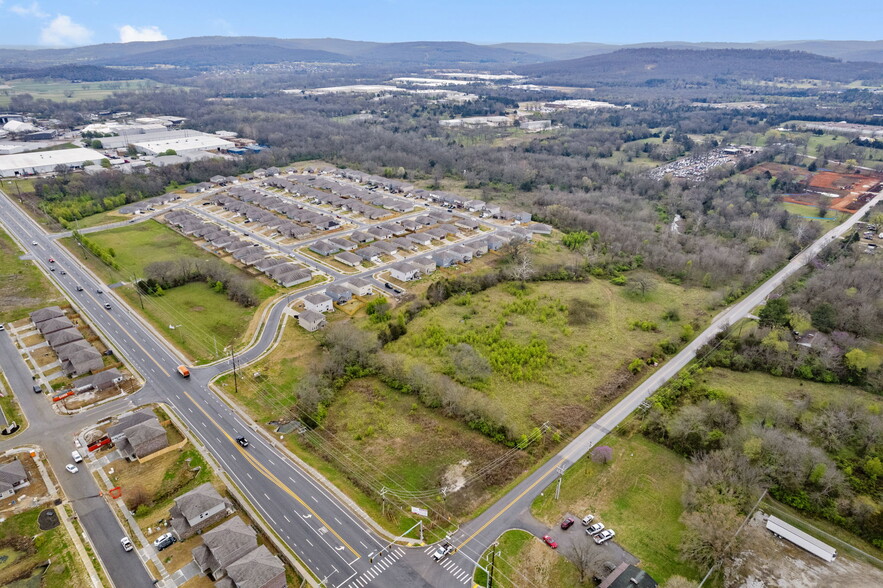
23	288
638	494
65	91
522	560
205	321
55	544
832	219
545	367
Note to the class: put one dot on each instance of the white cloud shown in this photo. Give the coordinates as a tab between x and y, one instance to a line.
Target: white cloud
62	31
32	10
129	34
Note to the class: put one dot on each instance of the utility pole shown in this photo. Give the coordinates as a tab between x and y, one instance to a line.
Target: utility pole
233	359
558	485
490	577
138	290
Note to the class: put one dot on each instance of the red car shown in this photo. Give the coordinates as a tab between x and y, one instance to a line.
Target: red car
51	260
550	542
567	523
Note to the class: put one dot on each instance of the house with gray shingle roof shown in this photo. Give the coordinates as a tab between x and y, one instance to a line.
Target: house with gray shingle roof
340	293
196	510
222	546
425	264
257	569
318	302
348	258
311	321
82	361
360	287
138	434
324	248
44	314
404	271
54	324
370	253
62	337
13	478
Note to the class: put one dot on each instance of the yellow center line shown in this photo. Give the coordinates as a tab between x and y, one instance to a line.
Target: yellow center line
270	476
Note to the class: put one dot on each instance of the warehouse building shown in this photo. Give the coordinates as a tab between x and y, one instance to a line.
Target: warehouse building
25	164
182	145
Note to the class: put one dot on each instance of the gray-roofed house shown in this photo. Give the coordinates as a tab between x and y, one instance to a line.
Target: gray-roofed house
522	217
436	234
311	321
468	223
540	229
293	277
370	253
360	237
387	247
444	258
474	205
465	253
340	293
324	247
257	569
426	264
494	243
13	477
379	233
82	362
196	510
138	434
268	262
62	337
318	302
222	546
478	247
344	244
360	287
420	239
404	271
68	349
54	324
44	314
348	258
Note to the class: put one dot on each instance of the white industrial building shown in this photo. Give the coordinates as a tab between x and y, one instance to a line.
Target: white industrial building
183	144
39	162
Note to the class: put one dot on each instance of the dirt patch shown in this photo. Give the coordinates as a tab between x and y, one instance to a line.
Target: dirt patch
33	340
197	308
454	477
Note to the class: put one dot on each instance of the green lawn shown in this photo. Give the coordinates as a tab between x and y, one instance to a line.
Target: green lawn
23	287
749	388
638	494
205	321
523	560
832	218
65	91
55	544
549	366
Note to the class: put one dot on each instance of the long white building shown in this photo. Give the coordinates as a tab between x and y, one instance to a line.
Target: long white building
24	164
181	145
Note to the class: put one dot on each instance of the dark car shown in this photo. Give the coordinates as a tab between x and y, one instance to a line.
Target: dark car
38	389
567	523
79	288
242	441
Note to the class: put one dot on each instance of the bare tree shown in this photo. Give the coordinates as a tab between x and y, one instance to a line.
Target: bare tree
588	559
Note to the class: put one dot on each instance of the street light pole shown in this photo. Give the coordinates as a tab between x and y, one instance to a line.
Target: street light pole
233	359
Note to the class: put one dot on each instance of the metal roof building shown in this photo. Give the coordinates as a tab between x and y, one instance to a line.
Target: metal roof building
21	164
182	144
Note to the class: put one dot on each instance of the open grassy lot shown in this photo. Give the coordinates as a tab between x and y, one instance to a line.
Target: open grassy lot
23	288
205	321
638	494
55	544
523	560
750	388
832	218
66	91
555	348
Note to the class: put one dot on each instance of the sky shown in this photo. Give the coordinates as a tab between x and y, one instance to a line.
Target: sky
64	23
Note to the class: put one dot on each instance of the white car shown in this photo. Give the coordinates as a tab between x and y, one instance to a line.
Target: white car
127	545
442	551
72	468
33	243
605	535
588	520
594	529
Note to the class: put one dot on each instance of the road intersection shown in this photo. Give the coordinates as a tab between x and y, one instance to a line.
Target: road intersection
330	537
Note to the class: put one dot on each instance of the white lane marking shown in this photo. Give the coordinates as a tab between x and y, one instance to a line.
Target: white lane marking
286	518
310	542
249	476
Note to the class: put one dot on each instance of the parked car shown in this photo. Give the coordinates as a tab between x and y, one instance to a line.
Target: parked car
242	441
442	551
127	545
588	520
605	535
550	542
567	523
164	540
72	468
596	528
